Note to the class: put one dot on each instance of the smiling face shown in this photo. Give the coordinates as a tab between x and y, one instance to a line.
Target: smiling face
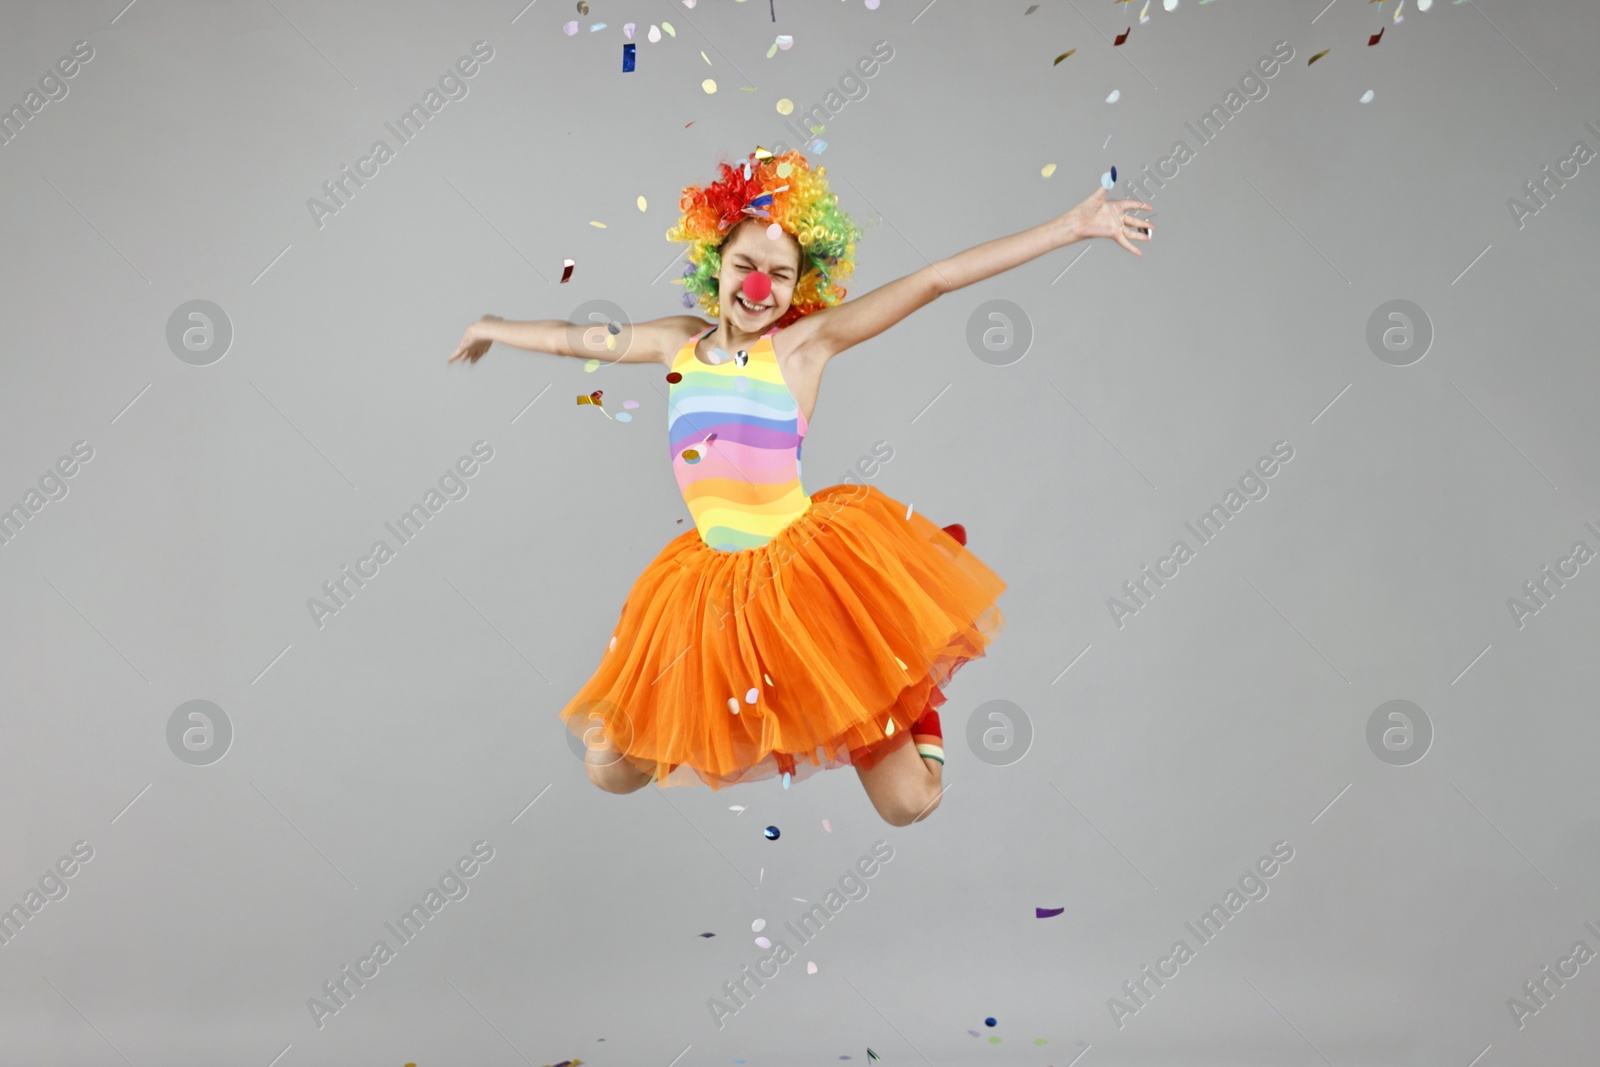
749	249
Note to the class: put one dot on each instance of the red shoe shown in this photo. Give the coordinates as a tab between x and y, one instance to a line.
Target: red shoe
957	531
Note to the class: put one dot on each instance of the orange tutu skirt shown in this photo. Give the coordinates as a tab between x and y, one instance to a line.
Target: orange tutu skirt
816	650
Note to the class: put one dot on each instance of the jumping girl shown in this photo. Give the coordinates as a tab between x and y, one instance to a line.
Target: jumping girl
788	632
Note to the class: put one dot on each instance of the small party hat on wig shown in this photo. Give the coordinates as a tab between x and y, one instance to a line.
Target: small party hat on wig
782	191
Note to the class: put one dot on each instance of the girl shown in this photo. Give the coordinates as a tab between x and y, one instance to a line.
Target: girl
789	632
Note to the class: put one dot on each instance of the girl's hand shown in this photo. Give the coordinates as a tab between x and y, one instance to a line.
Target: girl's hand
1099	217
473	346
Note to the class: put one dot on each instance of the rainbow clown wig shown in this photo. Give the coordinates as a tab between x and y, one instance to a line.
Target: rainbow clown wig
782	190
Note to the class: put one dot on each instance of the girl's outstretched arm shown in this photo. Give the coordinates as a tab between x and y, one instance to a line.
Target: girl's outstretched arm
832	330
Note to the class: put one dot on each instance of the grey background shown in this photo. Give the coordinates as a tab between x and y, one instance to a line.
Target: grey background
1229	714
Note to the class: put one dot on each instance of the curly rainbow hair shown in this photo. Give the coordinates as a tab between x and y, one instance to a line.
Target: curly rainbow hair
781	189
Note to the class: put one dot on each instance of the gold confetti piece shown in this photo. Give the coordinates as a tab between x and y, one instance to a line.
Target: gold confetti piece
888	731
601	225
733	705
1144	12
769	680
667	26
785	106
1064	55
1318	56
641	203
898	660
583	7
589	367
1049	169
594	398
691	455
709	85
706	58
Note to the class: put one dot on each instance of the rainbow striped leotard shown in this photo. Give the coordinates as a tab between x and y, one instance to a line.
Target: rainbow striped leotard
743	485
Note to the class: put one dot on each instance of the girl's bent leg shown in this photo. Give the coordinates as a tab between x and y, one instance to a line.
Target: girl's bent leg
610	771
904	787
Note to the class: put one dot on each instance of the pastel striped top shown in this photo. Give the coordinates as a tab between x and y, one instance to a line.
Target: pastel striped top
735	432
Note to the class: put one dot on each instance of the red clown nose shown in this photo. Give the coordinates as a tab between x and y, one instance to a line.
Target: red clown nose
757	286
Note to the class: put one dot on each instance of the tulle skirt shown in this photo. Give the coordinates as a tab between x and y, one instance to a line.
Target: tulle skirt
816	650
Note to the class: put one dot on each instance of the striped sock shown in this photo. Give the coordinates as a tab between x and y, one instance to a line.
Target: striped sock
928	737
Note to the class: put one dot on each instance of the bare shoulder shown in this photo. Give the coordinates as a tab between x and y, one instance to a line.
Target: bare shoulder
798	341
667	336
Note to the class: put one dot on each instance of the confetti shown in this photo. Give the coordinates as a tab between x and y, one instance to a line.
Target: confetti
1106	181
1045	913
989	1021
733	705
708	935
1375	38
871	1055
1113	172
974	1033
655	33
594	397
772	833
1116	94
757	926
583	7
570	28
908	511
597	225
786	779
751	695
811	968
627	58
828	826
888	731
627	30
1144	12
736	807
597	26
769	680
566	269
1318	56
709	85
784	41
1423	5
670	31
1059	58
1123	36
674	378
613	646
1397	16
1366	97
641	203
785	106
1169	4
1047	170
764	942
774	232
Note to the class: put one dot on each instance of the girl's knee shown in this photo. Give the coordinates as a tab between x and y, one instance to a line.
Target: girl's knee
617	777
912	805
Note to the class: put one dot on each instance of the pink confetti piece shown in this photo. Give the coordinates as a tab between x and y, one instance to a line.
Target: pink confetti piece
828	826
764	942
811	968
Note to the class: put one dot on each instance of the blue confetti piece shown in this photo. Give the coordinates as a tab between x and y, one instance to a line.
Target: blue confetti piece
989	1021
785	773
627	58
597	26
772	833
1113	172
